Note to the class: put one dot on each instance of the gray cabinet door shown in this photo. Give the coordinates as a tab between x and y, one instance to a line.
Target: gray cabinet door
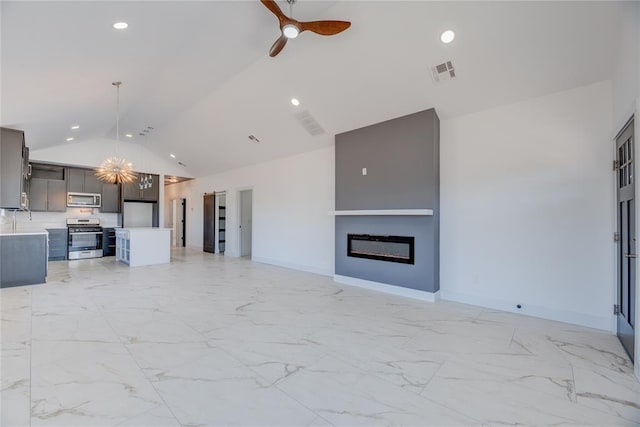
57	244
131	191
38	190
11	161
56	196
47	195
110	198
27	256
91	182
75	180
152	194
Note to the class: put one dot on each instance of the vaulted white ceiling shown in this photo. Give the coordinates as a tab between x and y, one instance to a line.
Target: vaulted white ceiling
199	72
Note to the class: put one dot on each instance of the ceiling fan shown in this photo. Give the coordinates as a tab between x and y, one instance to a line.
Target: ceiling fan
290	28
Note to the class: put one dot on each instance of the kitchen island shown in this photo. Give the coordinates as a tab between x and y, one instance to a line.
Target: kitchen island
139	246
23	258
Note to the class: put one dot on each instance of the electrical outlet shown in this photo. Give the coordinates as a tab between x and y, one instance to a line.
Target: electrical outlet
364	171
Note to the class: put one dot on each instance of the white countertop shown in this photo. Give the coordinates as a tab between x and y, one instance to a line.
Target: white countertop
29	233
144	229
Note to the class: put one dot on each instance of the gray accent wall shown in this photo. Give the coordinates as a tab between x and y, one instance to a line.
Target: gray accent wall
402	157
402	161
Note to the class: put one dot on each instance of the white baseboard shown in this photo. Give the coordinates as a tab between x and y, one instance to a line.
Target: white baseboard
598	322
279	263
388	289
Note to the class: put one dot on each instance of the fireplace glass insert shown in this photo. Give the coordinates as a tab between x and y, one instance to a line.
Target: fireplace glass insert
383	248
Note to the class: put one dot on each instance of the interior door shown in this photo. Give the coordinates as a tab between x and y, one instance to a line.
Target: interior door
209	215
625	307
246	220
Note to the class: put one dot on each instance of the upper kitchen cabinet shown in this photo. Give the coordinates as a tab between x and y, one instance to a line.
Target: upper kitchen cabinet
133	193
47	195
152	194
110	198
47	188
83	181
14	167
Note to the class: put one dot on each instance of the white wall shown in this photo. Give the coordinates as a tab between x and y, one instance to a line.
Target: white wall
626	102
527	207
92	153
626	70
292	198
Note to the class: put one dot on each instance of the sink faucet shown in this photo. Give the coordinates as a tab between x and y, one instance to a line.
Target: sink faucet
14	224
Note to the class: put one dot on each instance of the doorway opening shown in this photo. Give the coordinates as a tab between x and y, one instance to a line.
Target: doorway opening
625	308
179	222
246	220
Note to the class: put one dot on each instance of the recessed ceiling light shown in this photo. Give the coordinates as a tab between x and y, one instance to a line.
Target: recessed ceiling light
129	135
120	25
295	101
70	139
74	127
447	36
173	156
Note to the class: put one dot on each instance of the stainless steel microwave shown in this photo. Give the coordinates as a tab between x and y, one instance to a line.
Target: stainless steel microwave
84	200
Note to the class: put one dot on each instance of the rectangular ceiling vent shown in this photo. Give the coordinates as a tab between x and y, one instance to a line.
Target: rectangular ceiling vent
309	123
444	71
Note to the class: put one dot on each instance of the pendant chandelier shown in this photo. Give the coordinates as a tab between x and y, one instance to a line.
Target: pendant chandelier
116	170
146	181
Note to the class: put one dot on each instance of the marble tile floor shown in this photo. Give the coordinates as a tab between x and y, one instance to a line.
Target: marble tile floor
215	341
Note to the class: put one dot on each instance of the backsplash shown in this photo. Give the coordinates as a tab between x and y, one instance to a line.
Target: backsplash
43	220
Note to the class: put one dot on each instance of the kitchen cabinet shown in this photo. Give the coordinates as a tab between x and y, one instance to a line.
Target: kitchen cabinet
26	253
108	242
132	192
47	195
110	198
83	181
143	246
57	244
152	194
14	159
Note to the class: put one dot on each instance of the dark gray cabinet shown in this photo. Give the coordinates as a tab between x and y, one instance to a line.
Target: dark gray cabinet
47	195
23	259
108	242
132	192
57	244
13	169
152	194
110	198
83	181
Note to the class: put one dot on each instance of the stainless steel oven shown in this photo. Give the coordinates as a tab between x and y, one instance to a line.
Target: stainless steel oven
85	238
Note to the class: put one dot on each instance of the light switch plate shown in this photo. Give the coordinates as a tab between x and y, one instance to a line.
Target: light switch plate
364	171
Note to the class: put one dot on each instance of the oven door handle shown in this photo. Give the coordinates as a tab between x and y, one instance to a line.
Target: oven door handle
84	232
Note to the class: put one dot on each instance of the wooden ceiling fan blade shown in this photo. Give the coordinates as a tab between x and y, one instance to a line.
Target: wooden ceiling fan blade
278	46
325	28
274	8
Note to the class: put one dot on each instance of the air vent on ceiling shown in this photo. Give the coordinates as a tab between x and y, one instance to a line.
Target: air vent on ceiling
309	123
444	71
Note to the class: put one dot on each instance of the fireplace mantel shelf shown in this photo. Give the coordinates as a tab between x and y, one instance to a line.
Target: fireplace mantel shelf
414	212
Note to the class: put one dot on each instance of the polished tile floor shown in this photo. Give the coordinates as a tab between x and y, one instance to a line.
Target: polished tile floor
208	341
